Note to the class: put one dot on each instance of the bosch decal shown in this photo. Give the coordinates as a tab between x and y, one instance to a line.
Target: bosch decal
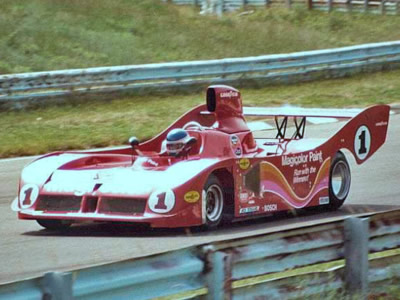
271	207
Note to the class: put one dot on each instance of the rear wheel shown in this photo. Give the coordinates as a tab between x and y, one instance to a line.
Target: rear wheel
214	202
339	181
54	224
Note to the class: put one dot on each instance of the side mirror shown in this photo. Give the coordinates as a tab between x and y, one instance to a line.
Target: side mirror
134	142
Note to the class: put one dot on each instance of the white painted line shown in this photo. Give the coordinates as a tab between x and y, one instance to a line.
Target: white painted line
4	160
83	150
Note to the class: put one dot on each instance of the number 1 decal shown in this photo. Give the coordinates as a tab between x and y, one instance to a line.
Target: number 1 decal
27	199
28	195
162	201
362	142
362	149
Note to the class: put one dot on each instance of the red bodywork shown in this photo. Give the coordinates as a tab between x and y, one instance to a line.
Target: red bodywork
263	175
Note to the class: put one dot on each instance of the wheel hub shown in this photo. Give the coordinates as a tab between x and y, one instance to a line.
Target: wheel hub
340	180
214	200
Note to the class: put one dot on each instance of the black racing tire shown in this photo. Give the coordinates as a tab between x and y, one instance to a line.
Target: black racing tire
339	181
214	202
54	224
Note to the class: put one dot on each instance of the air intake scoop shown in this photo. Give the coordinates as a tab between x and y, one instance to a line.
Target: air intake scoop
226	103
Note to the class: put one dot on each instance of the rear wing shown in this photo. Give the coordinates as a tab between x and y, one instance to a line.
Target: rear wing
281	115
363	134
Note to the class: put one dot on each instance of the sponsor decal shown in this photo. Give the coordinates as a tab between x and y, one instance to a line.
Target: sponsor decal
192	196
294	160
272	180
234	139
303	175
316	156
244	163
238	151
382	123
152	162
271	207
362	142
247	210
229	94
312	156
244	196
323	200
28	195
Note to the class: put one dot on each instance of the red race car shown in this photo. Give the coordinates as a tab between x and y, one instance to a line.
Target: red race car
208	166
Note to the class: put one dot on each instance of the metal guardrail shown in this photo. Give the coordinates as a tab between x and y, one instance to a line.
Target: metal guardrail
244	268
365	6
266	69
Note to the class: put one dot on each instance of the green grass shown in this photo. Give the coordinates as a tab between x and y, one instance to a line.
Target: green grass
39	35
104	123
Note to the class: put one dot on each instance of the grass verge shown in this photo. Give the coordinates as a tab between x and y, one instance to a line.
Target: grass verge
105	123
40	35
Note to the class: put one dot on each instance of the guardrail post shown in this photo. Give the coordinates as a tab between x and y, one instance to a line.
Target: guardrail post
396	7
219	277
57	286
309	4
365	6
349	6
356	255
220	7
330	5
382	7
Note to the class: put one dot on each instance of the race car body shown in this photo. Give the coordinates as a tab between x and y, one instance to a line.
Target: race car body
223	171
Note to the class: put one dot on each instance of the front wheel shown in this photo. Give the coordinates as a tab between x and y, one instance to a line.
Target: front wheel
339	181
54	224
214	202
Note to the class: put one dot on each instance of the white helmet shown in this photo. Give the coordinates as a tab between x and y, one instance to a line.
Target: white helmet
176	141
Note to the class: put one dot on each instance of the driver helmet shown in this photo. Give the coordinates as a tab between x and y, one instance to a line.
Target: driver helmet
176	141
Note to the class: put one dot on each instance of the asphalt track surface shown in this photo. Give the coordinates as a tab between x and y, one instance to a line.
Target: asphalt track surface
26	250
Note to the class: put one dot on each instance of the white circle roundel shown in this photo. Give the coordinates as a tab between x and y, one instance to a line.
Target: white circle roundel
28	195
162	201
362	142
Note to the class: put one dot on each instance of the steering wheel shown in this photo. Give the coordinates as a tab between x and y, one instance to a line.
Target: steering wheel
193	125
